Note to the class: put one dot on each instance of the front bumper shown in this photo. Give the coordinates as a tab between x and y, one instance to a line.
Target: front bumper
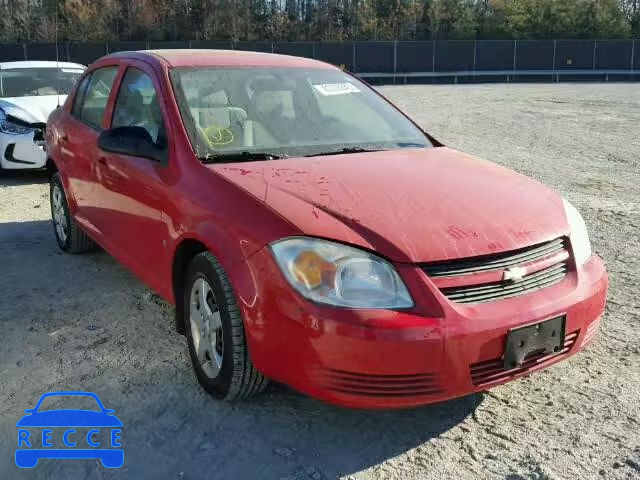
19	152
386	359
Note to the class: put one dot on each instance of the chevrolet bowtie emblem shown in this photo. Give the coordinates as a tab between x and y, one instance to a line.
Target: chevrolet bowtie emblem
514	274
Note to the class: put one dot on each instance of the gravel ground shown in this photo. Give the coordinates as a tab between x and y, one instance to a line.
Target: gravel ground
83	322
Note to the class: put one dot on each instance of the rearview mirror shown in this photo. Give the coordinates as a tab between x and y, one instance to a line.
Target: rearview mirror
132	141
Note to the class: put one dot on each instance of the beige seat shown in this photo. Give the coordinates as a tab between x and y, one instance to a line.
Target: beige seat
268	102
213	110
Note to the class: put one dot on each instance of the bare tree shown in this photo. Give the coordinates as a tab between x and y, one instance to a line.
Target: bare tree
337	20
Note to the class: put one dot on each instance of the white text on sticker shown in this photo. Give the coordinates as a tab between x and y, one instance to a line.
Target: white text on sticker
336	88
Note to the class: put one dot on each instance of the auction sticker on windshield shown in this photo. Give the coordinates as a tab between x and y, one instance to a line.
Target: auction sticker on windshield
92	431
336	88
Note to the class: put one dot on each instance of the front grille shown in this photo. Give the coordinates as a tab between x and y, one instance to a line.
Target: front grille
498	261
362	384
490	371
482	279
506	289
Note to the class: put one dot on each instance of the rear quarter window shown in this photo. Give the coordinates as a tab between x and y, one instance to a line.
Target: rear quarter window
77	101
91	100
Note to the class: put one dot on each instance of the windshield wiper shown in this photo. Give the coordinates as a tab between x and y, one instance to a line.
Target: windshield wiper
346	150
411	145
238	157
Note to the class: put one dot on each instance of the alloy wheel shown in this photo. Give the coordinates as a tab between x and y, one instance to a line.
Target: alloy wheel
59	215
206	328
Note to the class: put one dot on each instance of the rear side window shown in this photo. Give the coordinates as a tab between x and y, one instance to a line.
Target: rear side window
77	102
91	102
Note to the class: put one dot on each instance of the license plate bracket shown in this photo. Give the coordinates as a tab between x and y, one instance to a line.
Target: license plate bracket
545	337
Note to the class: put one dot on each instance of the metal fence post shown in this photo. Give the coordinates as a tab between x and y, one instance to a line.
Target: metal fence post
313	50
595	47
555	43
24	49
433	58
475	53
633	54
395	61
353	56
395	56
515	49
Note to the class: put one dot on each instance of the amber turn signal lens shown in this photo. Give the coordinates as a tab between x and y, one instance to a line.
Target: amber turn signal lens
312	270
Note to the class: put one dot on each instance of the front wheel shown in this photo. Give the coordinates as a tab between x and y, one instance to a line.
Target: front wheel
215	333
69	236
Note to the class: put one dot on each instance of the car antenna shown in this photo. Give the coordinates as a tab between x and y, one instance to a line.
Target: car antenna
57	59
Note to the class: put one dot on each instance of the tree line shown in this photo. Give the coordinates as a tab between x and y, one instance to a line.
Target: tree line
323	20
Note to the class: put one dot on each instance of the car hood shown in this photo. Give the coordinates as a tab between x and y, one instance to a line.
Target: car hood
69	418
411	205
31	109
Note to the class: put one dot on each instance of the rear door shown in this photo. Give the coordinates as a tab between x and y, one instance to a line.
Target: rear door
79	141
132	190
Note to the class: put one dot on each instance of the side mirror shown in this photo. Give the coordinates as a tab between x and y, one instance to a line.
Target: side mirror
132	141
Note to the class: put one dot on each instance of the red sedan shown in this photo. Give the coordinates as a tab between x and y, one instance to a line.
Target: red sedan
310	233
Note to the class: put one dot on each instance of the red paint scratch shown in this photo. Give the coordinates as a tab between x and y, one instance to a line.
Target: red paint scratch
242	171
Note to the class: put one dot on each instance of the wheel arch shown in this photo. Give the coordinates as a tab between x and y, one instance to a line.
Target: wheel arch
51	167
183	254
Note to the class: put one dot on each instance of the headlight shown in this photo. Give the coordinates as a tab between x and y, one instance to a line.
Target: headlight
7	126
331	273
579	236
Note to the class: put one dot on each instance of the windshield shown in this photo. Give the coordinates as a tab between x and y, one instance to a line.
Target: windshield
28	82
286	112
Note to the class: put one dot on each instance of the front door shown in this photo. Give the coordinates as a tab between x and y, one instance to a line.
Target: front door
132	189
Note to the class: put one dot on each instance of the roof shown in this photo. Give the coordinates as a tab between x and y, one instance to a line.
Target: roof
40	64
212	58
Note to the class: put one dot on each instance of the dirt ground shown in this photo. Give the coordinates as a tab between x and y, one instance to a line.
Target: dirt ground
84	323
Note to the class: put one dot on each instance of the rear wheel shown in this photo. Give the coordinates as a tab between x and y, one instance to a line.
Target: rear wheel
215	333
69	236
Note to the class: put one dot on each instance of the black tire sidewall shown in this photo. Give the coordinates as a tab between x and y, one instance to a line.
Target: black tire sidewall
57	181
201	267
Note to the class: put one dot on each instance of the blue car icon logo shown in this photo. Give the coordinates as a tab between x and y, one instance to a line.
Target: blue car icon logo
69	433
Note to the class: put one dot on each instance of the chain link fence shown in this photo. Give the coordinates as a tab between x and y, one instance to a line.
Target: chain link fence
619	59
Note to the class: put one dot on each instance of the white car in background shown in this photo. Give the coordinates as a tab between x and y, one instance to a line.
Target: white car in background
29	92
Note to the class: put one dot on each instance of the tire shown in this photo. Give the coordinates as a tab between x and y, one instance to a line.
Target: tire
69	236
235	377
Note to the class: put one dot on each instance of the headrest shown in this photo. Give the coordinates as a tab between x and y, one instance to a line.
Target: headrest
134	99
207	98
215	99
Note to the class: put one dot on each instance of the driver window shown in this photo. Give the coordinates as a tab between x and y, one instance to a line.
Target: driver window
137	105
